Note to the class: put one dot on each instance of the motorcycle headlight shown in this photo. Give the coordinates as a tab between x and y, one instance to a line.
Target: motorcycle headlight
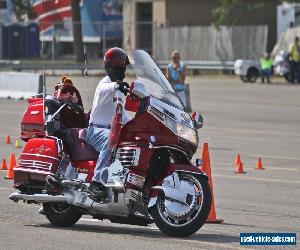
182	131
187	133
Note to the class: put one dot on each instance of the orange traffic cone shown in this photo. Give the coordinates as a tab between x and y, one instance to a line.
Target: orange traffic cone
12	164
12	161
259	164
3	165
237	160
8	141
239	169
206	168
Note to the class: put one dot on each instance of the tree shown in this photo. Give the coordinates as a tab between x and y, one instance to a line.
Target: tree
223	13
77	31
23	10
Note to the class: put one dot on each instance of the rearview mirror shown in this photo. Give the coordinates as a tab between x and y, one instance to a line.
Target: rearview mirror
197	119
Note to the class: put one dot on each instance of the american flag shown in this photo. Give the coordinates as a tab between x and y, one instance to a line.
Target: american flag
51	11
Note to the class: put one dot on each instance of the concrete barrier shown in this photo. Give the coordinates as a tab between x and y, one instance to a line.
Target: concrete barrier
20	84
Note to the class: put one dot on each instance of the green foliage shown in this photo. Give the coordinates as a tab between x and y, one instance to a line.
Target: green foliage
222	14
289	1
23	9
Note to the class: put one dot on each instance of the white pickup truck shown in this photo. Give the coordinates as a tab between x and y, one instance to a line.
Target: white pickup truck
248	70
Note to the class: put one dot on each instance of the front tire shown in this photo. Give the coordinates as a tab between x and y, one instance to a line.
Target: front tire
183	220
61	215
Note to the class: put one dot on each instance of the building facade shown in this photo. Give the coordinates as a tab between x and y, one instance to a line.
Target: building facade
140	16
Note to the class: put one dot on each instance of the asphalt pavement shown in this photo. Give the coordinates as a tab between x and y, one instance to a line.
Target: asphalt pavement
254	120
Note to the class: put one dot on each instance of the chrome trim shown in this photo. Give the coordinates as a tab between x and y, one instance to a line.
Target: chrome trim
136	180
30	170
172	189
60	145
152	202
170	114
137	156
180	204
128	156
39	155
159	115
35	164
50	117
39	198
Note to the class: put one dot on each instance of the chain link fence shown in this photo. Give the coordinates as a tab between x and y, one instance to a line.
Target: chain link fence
54	40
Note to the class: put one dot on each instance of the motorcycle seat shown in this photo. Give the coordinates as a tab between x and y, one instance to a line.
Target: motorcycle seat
81	150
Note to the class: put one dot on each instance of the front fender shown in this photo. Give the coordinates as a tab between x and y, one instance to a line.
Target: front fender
186	168
175	167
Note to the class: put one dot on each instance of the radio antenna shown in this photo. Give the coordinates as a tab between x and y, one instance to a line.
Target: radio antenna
85	72
44	82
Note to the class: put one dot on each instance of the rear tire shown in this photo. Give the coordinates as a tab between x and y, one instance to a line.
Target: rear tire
61	215
288	78
252	74
194	222
244	79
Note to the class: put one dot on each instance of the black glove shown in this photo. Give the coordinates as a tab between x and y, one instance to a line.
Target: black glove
75	107
123	87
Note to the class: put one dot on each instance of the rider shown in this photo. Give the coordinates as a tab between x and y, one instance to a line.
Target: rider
109	89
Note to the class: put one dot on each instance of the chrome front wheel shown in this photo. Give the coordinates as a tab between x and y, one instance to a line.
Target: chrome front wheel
181	209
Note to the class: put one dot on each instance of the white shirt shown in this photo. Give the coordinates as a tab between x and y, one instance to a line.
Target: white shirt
104	107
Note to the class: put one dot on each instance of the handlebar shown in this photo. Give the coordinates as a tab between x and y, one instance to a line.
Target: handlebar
75	107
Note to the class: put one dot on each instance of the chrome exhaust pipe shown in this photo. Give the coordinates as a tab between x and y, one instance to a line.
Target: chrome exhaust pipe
38	198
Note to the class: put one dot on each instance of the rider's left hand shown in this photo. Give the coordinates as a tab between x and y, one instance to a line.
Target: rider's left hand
123	87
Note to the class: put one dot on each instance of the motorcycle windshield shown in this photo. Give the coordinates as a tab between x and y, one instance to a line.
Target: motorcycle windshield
157	85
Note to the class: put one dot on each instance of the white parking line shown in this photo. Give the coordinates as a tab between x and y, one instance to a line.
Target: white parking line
10	189
231	165
258	179
254	131
275	157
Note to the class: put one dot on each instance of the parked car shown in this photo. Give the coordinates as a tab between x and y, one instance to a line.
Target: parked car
248	70
282	65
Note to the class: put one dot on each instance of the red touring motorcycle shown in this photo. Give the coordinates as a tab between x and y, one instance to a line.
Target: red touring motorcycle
150	177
